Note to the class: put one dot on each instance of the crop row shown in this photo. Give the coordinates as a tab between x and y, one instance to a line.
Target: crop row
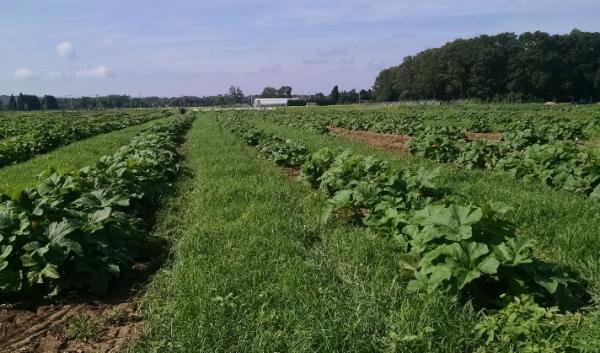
45	135
20	123
541	150
77	231
465	251
562	165
410	122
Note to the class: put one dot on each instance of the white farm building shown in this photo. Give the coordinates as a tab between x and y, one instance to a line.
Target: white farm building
270	102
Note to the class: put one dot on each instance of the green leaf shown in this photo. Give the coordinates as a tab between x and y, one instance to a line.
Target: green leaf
50	271
100	215
58	231
5	251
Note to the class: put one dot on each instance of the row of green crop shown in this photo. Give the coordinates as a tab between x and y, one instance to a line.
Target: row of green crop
562	165
44	135
554	126
539	150
78	231
20	123
466	251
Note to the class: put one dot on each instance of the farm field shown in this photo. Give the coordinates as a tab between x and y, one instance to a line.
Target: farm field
278	231
24	135
17	177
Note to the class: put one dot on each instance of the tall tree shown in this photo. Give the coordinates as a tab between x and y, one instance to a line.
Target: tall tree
12	103
284	92
334	96
269	92
236	94
50	103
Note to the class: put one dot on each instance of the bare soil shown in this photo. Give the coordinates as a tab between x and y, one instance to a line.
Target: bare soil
397	143
292	172
389	142
74	325
490	136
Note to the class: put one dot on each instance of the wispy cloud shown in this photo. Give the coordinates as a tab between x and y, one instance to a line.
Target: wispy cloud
65	50
23	73
95	72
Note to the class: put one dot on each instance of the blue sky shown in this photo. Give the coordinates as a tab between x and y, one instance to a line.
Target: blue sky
168	48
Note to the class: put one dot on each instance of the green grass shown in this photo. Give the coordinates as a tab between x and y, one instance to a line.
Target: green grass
253	270
15	178
566	226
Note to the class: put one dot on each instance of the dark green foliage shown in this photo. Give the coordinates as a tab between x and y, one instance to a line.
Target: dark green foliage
479	154
296	103
530	66
50	103
474	249
316	164
30	136
481	124
284	152
561	165
524	326
440	144
80	230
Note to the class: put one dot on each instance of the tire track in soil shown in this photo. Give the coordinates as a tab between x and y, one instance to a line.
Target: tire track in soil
114	318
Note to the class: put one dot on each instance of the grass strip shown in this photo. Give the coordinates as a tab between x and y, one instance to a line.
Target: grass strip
253	270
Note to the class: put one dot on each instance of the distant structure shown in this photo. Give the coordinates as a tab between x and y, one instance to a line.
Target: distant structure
270	102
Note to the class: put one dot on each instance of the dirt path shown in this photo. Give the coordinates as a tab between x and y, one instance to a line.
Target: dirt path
76	325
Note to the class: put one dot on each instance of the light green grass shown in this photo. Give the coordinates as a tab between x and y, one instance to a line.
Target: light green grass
15	178
254	271
566	226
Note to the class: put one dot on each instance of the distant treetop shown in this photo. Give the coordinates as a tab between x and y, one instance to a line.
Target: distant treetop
530	66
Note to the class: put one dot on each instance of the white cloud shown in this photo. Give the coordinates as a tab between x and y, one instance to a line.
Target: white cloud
96	72
65	50
23	73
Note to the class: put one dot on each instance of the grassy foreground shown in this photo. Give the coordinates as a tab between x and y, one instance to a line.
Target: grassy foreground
254	271
15	178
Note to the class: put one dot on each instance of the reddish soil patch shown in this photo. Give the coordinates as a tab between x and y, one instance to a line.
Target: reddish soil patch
388	142
292	172
399	143
74	325
490	136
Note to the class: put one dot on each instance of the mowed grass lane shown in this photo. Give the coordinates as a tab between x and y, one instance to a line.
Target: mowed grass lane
566	226
253	270
15	178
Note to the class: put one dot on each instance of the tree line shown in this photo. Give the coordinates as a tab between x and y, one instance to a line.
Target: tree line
531	66
234	96
30	102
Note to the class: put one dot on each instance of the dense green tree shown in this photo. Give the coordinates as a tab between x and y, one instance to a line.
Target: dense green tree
285	92
530	66
12	103
334	96
50	103
236	95
28	102
269	92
